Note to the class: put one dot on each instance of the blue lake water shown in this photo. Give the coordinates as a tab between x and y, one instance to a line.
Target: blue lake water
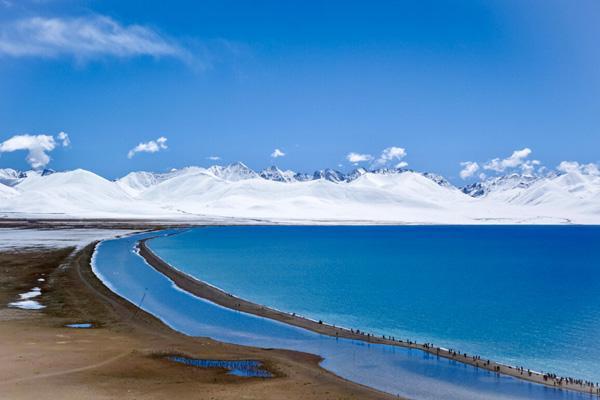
522	295
245	368
411	373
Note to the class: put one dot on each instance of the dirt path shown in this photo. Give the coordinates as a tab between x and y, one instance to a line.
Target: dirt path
65	372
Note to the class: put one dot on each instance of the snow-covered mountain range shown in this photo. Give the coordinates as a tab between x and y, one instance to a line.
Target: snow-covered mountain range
328	196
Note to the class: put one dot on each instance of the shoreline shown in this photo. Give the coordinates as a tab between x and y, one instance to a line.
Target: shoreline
222	298
123	353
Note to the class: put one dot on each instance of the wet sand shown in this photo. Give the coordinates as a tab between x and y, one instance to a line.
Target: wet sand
211	293
122	356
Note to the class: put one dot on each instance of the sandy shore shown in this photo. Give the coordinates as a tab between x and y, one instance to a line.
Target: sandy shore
204	290
121	357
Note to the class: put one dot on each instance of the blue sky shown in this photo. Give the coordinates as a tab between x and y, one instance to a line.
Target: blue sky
448	82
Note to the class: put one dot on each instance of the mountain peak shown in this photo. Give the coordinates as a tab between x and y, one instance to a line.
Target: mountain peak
273	173
499	184
233	172
11	177
329	175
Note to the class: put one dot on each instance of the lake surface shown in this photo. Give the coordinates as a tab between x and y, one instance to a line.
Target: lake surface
409	373
522	295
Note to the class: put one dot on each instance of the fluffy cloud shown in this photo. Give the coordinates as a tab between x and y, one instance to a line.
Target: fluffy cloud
213	158
391	154
357	157
37	146
83	38
402	164
574	166
277	153
152	146
528	167
469	169
516	159
64	138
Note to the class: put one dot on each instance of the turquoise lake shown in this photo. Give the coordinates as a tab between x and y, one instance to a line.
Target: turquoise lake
409	373
523	295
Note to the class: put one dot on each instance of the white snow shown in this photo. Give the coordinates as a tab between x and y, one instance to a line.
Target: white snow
7	191
10	177
35	292
26	305
11	238
238	194
25	301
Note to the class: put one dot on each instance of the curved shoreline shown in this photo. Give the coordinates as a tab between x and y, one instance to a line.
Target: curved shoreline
222	298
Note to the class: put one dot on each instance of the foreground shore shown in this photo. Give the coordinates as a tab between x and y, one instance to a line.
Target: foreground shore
122	356
209	292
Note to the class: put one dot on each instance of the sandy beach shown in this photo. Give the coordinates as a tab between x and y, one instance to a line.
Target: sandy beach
216	295
122	356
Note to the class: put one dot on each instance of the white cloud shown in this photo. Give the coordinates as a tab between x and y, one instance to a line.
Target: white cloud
38	147
516	159
574	166
64	138
84	38
390	154
357	157
277	153
591	169
152	146
469	169
402	164
528	167
568	166
213	158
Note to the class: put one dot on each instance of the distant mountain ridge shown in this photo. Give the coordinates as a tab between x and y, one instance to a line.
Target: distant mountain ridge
239	171
390	195
500	183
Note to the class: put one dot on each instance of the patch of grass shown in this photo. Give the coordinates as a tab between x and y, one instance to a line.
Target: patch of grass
21	269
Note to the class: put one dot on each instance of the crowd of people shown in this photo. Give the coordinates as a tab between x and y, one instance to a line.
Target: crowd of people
559	381
594	387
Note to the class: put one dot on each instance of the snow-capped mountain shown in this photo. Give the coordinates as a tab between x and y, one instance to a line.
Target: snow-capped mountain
7	191
10	177
236	191
572	189
500	184
330	175
357	173
233	172
275	174
440	180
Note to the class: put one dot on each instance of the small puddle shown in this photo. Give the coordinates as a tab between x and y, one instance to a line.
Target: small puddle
80	326
245	368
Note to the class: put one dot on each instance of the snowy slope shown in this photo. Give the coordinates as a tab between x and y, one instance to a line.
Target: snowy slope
235	191
10	177
74	193
7	192
566	190
500	184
